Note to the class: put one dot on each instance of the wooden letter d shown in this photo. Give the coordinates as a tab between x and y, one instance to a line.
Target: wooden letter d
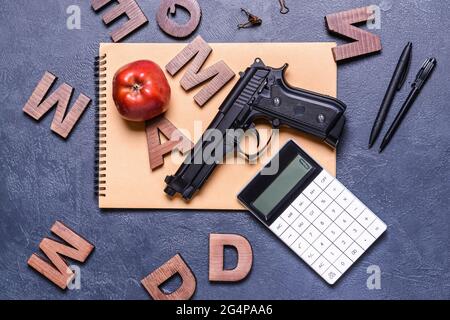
217	242
175	265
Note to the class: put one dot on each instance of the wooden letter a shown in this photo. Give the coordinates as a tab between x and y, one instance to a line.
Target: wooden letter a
174	266
61	275
220	73
36	108
156	150
217	242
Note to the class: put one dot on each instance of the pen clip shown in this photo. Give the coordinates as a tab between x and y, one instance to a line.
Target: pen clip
424	72
404	74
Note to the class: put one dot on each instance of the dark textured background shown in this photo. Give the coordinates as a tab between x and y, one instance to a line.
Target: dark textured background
44	178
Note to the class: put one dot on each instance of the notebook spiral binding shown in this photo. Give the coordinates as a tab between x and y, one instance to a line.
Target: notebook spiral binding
100	126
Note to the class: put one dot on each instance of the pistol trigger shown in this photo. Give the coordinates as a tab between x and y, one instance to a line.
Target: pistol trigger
258	139
256	132
259	152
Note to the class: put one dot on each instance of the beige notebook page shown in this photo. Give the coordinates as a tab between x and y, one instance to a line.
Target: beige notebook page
129	181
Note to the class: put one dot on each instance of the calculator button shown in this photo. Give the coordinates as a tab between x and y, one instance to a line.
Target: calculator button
301	203
323	179
365	240
300	224
322	222
300	245
334	189
323	201
310	255
355	230
354	251
333	211
332	232
366	218
321	265
345	198
311	234
332	253
290	214
289	236
278	226
344	220
343	263
377	228
355	208
312	212
321	244
312	191
331	275
343	241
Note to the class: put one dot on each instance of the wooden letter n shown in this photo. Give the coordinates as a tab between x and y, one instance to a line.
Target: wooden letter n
36	108
78	250
217	243
341	23
175	265
199	51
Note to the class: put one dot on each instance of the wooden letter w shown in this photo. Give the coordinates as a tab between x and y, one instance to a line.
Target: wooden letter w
36	108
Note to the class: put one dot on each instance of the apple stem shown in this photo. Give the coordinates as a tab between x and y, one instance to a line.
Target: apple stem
136	87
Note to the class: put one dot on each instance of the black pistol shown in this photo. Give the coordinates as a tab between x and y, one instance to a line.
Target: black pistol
260	93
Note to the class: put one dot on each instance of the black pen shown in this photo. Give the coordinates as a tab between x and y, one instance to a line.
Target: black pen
397	81
421	78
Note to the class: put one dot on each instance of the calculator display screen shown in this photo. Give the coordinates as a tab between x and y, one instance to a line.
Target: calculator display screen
280	187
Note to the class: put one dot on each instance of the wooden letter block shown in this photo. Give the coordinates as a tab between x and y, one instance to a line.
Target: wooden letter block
61	275
156	150
36	108
130	8
172	28
175	265
341	23
217	242
220	73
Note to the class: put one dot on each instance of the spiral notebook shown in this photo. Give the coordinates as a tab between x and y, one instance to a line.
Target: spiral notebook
125	179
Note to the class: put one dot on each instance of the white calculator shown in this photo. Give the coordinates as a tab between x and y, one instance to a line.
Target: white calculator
311	212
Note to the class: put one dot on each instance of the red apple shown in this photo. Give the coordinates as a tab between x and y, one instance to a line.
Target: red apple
141	91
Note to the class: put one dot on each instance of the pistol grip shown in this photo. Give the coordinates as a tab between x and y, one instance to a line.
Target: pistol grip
334	135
